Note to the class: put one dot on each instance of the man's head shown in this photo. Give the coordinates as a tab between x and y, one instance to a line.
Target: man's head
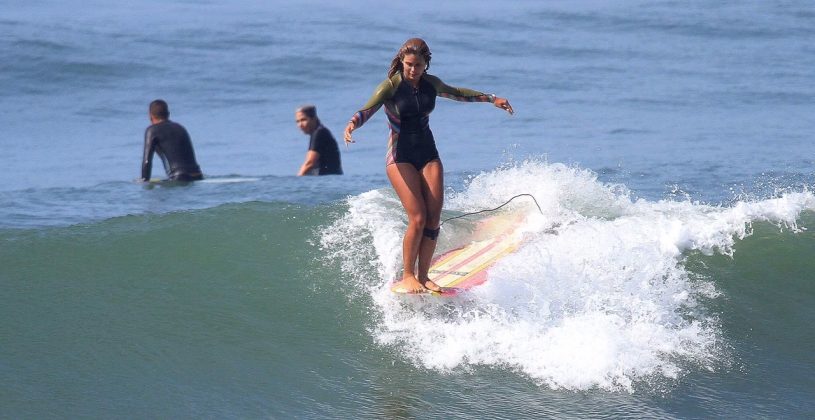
306	118
159	111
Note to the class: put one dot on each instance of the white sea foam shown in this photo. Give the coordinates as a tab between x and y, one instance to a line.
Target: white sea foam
604	303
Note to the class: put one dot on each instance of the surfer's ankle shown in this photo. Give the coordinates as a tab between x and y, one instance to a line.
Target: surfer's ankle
430	285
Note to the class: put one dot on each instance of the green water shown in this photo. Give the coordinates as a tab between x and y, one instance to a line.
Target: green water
238	316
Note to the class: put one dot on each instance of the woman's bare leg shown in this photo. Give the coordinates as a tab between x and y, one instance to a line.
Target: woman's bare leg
407	182
433	193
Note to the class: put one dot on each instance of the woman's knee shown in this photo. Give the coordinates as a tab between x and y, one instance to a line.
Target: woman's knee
417	221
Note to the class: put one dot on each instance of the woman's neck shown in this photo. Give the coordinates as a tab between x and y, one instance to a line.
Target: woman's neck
414	83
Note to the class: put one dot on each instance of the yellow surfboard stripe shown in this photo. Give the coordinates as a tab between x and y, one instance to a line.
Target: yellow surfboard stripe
455	268
484	266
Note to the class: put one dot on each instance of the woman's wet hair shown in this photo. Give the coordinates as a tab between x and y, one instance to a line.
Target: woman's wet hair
415	46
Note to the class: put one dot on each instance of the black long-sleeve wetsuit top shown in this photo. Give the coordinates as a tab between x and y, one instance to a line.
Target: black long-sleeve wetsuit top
172	143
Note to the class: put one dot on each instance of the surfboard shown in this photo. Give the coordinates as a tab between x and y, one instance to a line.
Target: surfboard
217	180
233	180
468	266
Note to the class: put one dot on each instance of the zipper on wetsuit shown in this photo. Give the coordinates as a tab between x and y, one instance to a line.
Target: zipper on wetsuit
416	96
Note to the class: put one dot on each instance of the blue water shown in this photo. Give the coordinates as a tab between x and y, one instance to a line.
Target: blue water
673	141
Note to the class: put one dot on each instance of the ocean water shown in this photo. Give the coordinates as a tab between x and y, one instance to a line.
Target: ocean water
670	143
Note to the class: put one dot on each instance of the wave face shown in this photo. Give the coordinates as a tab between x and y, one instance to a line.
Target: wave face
608	302
636	305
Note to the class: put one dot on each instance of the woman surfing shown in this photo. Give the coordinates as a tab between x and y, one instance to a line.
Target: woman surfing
412	162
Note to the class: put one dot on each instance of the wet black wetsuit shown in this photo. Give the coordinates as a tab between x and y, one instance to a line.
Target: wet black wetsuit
408	110
172	143
325	145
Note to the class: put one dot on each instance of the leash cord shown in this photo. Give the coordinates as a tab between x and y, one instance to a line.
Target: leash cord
486	210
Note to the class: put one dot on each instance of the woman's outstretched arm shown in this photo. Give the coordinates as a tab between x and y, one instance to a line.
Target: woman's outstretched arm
467	95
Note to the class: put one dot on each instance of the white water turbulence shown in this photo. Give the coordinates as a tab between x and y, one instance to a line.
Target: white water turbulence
600	301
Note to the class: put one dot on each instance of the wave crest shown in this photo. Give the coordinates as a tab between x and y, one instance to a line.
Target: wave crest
606	302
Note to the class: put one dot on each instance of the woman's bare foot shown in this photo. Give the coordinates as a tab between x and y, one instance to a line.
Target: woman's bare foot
410	284
430	285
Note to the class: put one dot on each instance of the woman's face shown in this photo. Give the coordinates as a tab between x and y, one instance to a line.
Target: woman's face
413	67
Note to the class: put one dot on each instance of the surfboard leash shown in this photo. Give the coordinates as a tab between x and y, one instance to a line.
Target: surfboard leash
486	210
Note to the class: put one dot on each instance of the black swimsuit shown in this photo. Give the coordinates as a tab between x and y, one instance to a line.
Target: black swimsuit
415	144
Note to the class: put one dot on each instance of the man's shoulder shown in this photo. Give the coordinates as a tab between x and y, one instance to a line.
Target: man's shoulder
322	132
174	125
165	123
167	132
152	131
168	128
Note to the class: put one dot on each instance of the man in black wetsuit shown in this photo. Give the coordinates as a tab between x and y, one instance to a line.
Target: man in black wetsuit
171	142
323	156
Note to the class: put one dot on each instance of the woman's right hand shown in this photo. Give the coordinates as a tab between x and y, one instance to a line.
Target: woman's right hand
348	129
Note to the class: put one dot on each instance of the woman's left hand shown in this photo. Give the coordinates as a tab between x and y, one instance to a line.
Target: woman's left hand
503	103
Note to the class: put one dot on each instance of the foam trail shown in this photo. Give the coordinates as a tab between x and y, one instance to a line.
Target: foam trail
606	302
